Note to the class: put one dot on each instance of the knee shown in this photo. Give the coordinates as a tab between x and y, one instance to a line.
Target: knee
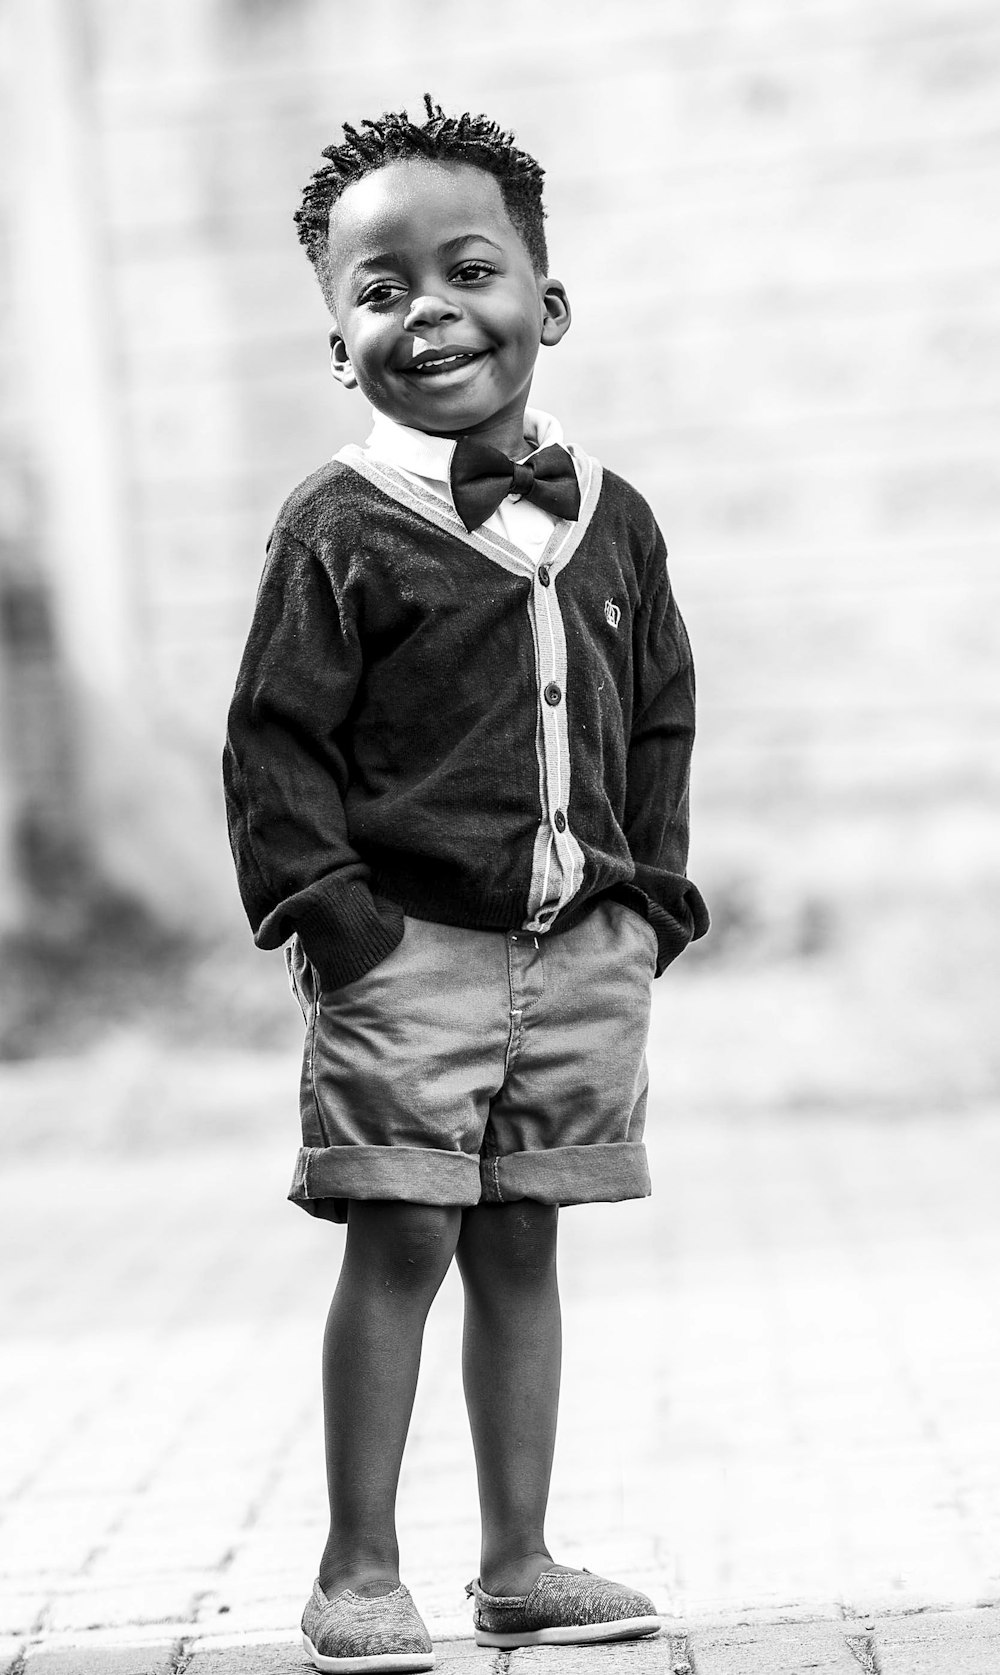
509	1247
403	1246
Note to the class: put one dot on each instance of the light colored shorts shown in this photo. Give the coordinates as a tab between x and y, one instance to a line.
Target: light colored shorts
479	1066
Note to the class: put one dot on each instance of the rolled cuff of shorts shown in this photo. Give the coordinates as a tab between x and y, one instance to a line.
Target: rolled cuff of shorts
409	1174
568	1175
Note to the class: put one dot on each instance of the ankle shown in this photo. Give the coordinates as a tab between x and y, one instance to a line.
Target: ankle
367	1574
513	1575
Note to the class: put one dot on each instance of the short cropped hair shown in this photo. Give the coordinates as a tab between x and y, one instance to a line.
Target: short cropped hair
473	140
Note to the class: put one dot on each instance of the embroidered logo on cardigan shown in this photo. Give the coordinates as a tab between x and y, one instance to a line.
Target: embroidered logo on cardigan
612	612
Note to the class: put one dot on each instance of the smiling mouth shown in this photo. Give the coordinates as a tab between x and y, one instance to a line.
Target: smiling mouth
436	366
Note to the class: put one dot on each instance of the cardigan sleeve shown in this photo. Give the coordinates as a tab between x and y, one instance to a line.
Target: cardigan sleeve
286	770
658	767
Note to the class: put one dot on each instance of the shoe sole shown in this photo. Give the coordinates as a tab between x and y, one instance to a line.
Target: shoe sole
387	1661
576	1634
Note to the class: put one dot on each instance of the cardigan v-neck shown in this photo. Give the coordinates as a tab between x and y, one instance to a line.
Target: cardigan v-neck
426	461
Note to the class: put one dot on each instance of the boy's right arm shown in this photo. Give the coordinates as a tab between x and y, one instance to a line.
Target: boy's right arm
286	773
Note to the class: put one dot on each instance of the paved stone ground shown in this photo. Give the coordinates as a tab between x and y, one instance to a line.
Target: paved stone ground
779	1404
933	1643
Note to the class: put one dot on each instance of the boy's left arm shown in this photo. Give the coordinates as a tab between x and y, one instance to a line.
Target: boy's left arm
658	768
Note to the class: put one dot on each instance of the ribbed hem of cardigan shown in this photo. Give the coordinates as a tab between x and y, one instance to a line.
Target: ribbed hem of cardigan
430	894
435	900
348	932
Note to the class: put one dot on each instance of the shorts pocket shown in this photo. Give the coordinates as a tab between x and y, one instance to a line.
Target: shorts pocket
644	931
301	977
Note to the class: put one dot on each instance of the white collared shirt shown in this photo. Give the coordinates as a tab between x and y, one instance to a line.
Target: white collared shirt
427	460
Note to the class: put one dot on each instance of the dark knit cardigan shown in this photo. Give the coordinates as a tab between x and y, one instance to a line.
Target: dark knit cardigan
385	749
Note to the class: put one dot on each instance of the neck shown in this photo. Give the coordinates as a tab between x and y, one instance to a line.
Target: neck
503	430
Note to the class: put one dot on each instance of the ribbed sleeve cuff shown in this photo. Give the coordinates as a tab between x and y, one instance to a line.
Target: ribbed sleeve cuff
673	906
347	932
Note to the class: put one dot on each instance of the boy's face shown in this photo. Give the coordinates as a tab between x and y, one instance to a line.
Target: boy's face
438	311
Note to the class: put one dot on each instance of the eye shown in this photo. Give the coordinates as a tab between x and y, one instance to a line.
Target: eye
381	293
474	269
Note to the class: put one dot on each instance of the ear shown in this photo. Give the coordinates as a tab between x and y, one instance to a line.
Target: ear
556	314
340	361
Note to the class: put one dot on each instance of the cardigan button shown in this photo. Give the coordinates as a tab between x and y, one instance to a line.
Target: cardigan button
553	693
559	820
543	575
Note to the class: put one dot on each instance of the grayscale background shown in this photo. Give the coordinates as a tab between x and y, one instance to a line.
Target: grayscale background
778	225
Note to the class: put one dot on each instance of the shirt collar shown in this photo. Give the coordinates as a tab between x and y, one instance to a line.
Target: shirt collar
430	456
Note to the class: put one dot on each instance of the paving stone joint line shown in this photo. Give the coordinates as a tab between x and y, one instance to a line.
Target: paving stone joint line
862	1647
680	1656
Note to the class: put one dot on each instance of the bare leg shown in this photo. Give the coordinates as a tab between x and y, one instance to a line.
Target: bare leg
396	1257
511	1363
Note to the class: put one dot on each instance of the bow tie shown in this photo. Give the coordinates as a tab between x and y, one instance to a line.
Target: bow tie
481	477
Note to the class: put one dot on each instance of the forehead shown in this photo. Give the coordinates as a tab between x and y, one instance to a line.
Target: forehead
415	205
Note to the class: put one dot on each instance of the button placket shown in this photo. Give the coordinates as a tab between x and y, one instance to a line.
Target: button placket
556	853
552	694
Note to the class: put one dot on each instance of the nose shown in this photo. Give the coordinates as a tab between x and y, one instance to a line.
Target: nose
429	310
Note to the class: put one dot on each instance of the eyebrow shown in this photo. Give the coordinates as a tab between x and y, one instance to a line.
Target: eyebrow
468	238
389	258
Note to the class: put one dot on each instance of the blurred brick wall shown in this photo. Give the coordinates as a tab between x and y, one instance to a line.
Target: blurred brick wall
778	224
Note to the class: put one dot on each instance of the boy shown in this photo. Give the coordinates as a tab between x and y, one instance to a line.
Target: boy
456	775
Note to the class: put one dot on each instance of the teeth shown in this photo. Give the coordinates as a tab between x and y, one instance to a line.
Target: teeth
444	360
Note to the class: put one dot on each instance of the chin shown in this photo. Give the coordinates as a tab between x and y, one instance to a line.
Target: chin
449	419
